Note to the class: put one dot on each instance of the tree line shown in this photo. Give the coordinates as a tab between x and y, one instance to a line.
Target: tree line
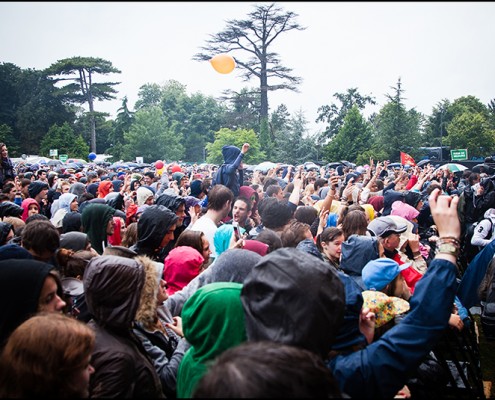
55	108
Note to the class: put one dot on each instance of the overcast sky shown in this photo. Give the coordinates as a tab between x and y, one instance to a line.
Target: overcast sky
440	50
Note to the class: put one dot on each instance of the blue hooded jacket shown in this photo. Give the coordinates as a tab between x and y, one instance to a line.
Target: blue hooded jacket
227	173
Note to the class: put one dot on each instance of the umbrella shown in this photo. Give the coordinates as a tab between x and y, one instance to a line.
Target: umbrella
452	167
118	165
54	163
76	160
72	165
478	168
334	164
394	165
423	162
265	166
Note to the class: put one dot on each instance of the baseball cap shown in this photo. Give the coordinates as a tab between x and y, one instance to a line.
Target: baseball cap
384	226
380	272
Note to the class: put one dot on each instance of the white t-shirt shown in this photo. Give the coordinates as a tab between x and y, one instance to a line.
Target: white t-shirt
208	227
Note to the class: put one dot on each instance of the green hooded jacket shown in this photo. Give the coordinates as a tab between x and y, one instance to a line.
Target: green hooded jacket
212	321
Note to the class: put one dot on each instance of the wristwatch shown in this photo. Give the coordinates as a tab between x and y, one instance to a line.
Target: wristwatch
448	248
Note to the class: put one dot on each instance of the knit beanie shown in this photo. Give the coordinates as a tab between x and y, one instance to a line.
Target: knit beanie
36	187
195	187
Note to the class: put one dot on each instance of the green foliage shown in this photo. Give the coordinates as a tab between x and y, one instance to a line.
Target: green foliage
334	115
65	141
151	137
194	117
104	127
352	139
292	145
397	129
471	131
84	87
236	138
149	95
123	122
7	138
29	106
243	109
435	124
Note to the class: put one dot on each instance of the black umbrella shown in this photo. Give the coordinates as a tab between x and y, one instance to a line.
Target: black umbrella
423	162
334	164
479	168
54	163
346	163
394	165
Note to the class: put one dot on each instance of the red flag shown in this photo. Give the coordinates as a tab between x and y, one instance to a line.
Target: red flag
406	159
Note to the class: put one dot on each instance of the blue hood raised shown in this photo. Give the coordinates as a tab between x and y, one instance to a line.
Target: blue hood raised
230	153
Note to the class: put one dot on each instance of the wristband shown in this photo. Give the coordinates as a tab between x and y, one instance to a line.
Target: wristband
448	248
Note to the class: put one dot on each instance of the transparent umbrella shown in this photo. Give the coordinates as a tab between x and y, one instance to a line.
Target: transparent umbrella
452	167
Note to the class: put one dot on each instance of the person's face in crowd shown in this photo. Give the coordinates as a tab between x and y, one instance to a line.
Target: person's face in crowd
162	292
90	248
65	188
184	182
33	209
259	190
333	248
149	201
391	242
49	299
401	289
10	235
168	236
205	243
137	184
123	227
381	250
42	176
54	181
74	206
147	180
81	378
240	212
12	193
5	152
43	194
110	227
72	179
181	213
280	194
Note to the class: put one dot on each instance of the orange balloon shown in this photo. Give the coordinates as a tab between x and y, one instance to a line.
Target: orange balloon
223	63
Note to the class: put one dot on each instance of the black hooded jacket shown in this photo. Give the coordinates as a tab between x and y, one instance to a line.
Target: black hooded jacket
172	202
293	298
153	224
21	282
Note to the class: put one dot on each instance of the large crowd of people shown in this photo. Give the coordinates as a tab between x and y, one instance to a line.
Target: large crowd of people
202	281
